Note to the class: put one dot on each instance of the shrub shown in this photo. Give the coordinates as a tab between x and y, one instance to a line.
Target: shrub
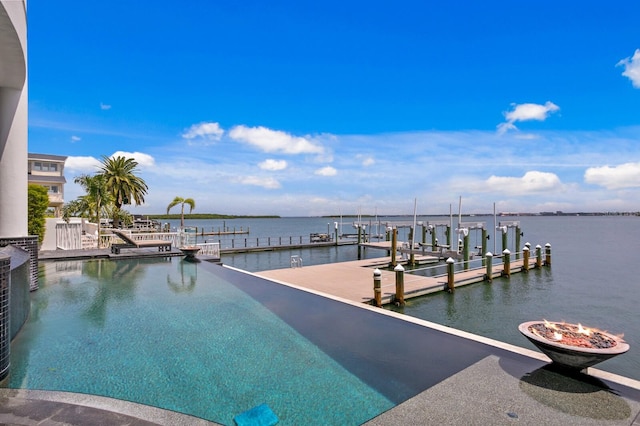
38	204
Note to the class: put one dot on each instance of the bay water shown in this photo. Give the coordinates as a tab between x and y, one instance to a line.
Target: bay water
592	279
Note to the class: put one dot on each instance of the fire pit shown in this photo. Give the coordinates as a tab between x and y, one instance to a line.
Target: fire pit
572	345
190	251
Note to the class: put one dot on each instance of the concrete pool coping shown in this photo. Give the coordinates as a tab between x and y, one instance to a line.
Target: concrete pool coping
491	391
35	407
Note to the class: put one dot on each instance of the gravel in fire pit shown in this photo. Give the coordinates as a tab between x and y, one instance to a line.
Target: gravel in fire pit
570	336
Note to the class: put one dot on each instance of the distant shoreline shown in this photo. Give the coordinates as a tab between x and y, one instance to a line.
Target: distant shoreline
369	216
501	214
208	216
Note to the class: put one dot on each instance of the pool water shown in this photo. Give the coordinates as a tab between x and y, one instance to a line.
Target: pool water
171	334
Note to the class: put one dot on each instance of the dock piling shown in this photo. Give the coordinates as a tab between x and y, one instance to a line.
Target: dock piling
525	262
506	271
399	300
505	242
538	256
547	251
450	275
377	287
489	263
483	245
412	257
394	246
465	250
434	239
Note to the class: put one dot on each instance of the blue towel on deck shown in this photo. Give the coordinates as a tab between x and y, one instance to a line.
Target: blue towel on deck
260	415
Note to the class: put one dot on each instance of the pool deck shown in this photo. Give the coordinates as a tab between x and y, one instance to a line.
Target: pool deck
521	389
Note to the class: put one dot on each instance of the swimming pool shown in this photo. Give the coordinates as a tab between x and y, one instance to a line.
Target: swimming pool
213	342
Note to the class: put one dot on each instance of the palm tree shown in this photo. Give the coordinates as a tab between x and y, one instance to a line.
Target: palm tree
179	200
96	197
122	183
96	200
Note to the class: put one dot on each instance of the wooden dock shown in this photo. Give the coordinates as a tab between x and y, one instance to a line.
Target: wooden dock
354	280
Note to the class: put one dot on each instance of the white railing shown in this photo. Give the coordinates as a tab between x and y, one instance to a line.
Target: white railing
108	239
209	249
89	242
296	261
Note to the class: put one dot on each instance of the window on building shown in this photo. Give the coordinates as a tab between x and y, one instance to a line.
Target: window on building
44	167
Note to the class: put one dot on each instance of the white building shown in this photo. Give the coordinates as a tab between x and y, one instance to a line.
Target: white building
48	170
13	132
13	119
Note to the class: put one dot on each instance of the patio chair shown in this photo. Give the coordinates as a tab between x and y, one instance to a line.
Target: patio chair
129	243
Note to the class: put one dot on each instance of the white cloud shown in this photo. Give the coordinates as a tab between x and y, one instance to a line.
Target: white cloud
623	176
82	164
271	164
632	68
549	177
526	112
269	140
104	107
367	160
532	181
208	131
75	138
326	171
267	183
92	164
144	160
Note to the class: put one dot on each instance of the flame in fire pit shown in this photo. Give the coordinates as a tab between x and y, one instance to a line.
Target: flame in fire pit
574	335
583	330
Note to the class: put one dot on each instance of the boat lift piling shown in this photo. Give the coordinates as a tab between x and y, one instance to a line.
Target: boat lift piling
504	227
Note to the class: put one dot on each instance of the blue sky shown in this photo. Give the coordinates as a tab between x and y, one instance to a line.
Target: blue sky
317	108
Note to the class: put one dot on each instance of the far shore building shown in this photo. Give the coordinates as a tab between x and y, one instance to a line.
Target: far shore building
48	170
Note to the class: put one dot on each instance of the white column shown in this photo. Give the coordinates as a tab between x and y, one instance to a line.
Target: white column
13	120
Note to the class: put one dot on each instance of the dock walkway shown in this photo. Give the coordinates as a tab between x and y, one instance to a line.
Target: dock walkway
354	280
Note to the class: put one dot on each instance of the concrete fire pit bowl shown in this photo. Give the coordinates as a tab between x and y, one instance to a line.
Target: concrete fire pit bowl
571	345
190	251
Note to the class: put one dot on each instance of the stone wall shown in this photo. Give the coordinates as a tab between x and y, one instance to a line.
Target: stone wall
15	302
30	244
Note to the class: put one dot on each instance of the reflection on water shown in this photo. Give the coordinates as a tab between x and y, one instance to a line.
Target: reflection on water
170	334
188	277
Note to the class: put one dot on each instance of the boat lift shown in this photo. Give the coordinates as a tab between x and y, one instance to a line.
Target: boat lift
464	230
504	227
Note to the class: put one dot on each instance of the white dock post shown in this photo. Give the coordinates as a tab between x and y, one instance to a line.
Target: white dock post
399	270
506	271
489	262
450	275
377	287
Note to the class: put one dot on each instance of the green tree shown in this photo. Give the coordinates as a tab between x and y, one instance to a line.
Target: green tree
182	201
96	198
38	202
119	174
